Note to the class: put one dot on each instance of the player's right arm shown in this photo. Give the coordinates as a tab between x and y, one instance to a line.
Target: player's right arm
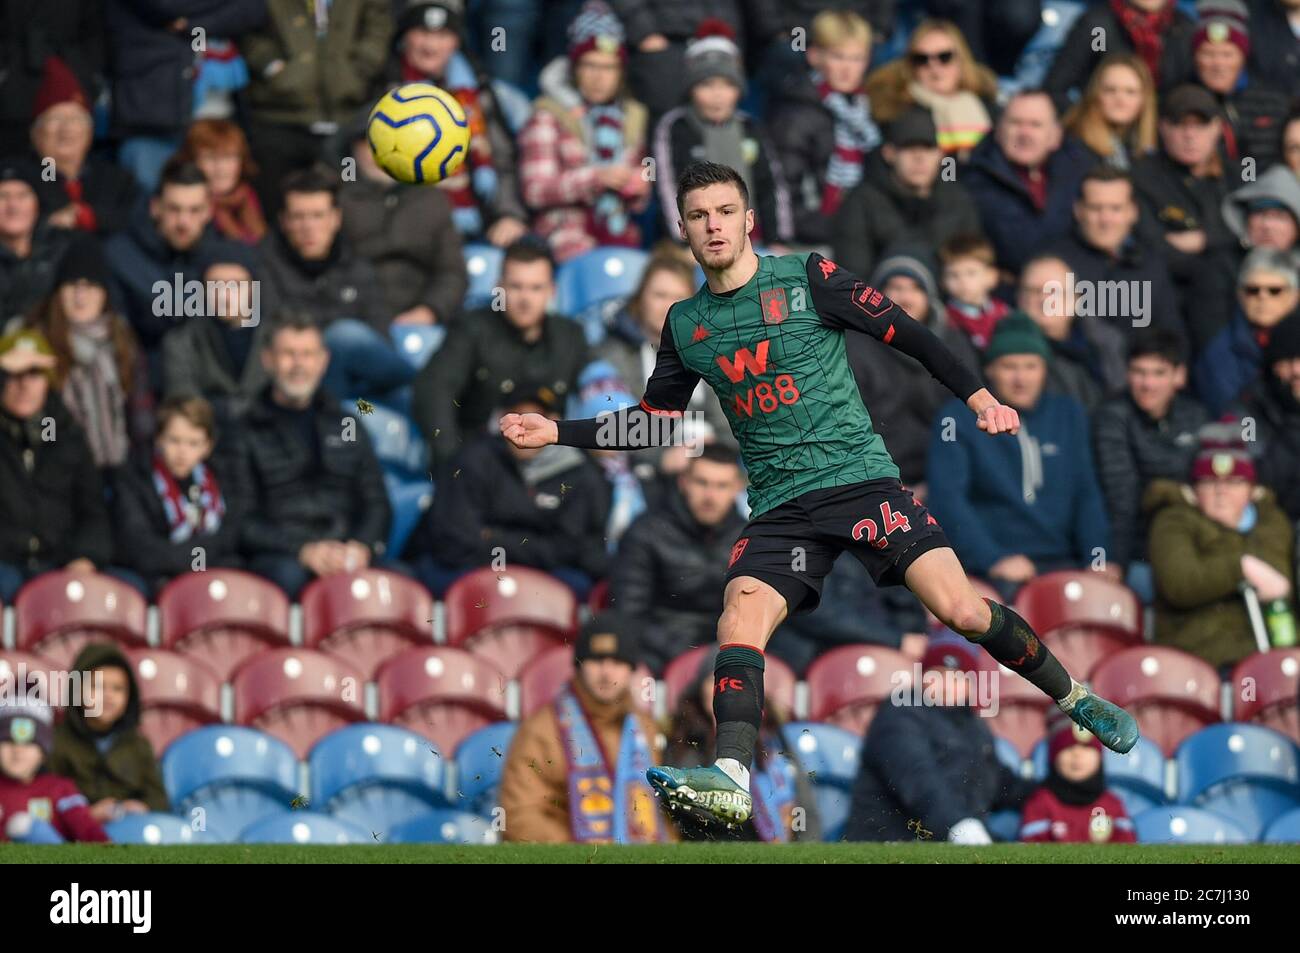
666	394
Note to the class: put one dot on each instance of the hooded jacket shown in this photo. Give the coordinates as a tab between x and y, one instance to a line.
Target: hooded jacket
1278	183
119	763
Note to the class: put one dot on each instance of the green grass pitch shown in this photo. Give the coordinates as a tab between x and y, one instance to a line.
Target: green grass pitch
919	853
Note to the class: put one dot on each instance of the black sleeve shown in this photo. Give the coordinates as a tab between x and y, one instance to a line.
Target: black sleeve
666	394
847	303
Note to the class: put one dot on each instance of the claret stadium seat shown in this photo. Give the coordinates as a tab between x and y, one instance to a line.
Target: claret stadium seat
1266	689
298	695
59	612
1083	616
846	685
222	617
178	693
507	617
441	693
1171	693
366	617
1246	772
376	776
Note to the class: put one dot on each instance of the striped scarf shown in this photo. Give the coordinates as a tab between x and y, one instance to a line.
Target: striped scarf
94	394
202	510
1146	30
603	125
856	134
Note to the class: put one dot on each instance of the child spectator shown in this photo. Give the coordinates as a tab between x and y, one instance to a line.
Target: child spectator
35	805
220	150
1073	805
175	503
99	746
969	276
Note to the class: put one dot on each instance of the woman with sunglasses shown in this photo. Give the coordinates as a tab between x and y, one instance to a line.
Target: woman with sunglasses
1268	292
940	74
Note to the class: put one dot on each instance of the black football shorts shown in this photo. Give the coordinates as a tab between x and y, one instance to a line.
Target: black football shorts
792	547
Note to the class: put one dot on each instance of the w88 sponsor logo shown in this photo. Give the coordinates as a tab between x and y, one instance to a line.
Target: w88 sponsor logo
769	397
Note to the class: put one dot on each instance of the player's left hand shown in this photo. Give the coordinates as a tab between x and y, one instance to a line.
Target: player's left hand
999	418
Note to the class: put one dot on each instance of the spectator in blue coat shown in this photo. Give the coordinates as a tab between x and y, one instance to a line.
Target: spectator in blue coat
1028	504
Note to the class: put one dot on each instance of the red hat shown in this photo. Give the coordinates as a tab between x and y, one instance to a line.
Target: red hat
596	28
58	85
1068	736
1220	21
1211	464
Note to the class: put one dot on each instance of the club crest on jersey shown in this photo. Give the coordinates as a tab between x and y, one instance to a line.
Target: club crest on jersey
869	299
774	306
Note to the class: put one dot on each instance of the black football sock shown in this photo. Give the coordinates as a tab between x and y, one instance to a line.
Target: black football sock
738	701
1012	642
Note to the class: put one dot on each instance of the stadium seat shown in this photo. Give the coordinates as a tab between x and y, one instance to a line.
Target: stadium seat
1285	829
59	612
585	282
226	777
829	758
304	827
1003	826
1021	708
409	499
298	695
376	776
417	342
222	617
1082	616
441	693
444	827
154	829
508	617
480	762
551	669
28	664
397	442
178	693
1265	687
778	679
1136	778
1009	755
846	685
833	806
1171	693
483	268
366	617
1247	772
1180	824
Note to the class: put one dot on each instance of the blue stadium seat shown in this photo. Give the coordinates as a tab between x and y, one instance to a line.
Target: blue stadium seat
1136	778
304	827
480	761
444	827
1244	771
409	497
1285	829
1003	825
234	775
828	753
417	342
1042	48
833	804
157	829
398	443
516	105
1009	755
1181	824
375	776
483	268
585	282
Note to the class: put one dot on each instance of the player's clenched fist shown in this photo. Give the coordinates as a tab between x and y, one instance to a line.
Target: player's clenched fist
999	418
527	431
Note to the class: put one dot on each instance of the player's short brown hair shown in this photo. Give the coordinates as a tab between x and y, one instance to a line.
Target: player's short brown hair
968	245
700	175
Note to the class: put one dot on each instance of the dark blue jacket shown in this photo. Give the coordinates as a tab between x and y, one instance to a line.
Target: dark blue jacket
1035	494
1229	365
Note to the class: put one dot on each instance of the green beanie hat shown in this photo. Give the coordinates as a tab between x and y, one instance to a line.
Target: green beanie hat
1017	334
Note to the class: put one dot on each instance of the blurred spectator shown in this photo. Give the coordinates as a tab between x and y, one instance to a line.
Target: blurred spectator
1207	540
1273	404
312	268
1255	110
406	233
572	761
101	373
1073	805
1104	251
30	249
159	78
581	167
176	501
939	73
166	245
671	561
1017	508
98	744
930	771
315	497
31	33
1087	352
491	354
1024	179
779	783
902	395
970	274
709	127
501	505
997	30
1155	30
310	70
484	194
1266	295
86	192
902	199
599	391
1145	434
36	804
220	150
1275	42
1266	213
214	355
821	123
52	512
1116	115
1290	147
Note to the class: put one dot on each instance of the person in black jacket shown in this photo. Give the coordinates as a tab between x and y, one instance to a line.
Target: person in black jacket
669	569
499	505
30	248
1145	434
52	512
314	492
174	513
1274	406
930	771
1275	42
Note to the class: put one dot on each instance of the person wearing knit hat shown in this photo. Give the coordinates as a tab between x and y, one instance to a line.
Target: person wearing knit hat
1073	804
1017	334
37	806
25	351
